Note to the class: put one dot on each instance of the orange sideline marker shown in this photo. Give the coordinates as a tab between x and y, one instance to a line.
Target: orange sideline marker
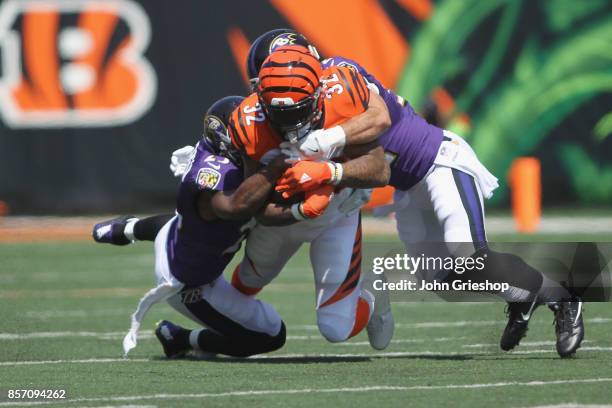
526	188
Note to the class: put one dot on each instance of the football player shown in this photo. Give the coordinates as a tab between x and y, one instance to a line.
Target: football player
440	185
294	97
215	206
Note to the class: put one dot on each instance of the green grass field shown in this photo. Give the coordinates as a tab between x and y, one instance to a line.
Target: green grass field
64	309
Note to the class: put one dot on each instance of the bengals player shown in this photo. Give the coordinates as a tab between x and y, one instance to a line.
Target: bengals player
295	96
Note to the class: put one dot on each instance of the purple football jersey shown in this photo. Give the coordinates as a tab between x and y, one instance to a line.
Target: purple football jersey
410	143
198	250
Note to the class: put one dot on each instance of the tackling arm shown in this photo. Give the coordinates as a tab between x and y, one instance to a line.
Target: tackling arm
315	203
367	126
276	215
244	202
367	167
363	128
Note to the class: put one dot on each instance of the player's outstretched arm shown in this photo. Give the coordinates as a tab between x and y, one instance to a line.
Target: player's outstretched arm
276	215
367	126
360	129
246	201
367	167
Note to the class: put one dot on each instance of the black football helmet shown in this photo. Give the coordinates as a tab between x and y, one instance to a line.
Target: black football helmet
263	46
215	132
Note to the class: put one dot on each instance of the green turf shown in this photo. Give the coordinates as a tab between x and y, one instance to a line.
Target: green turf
92	288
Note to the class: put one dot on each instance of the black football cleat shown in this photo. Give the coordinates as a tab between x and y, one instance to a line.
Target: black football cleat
518	314
111	231
569	327
168	333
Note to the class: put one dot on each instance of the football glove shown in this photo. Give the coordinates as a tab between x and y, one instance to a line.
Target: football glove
314	204
307	175
323	143
180	160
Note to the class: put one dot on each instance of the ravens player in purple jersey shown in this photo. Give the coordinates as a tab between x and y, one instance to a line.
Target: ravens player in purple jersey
440	185
215	206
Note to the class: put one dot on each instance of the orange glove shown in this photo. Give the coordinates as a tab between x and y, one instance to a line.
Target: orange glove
314	204
307	175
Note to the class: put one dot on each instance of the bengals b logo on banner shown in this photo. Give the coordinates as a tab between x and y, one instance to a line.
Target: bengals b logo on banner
68	63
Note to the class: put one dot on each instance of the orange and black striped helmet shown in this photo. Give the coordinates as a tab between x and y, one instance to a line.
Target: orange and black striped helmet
289	91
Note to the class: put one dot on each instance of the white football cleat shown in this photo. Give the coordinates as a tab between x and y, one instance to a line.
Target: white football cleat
381	325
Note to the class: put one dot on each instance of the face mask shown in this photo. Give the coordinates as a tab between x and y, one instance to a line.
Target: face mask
295	135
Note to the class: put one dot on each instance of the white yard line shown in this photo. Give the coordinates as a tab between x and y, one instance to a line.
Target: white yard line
555	225
143	335
596	320
464	323
506	225
62	334
400	303
83	361
471	353
570	224
305	327
540	351
52	314
571	405
536	383
523	344
404	341
476	323
423	353
458	323
426	325
125	406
